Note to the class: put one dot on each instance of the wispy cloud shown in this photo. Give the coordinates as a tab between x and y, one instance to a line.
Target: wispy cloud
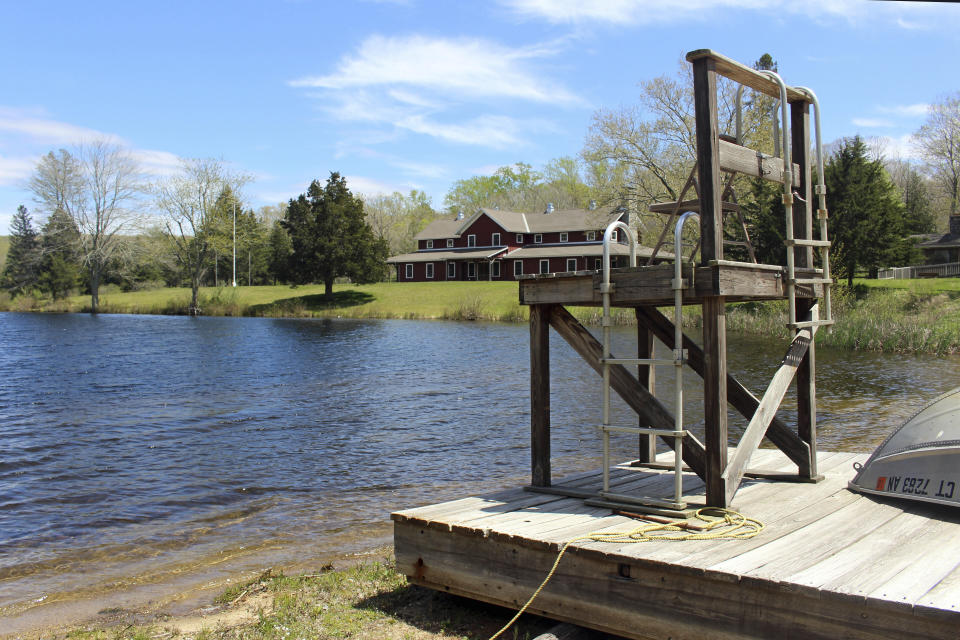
872	123
41	129
464	67
14	171
908	110
632	12
450	89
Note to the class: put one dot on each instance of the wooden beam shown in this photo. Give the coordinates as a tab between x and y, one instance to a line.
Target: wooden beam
803	206
715	398
737	395
627	387
743	74
646	374
735	157
764	414
687	205
540	395
708	160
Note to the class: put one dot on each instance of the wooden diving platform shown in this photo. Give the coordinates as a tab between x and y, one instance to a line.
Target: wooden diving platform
829	564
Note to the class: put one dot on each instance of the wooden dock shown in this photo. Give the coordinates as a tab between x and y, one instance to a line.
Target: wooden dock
829	564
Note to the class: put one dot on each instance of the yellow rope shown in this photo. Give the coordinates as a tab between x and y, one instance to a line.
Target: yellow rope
720	524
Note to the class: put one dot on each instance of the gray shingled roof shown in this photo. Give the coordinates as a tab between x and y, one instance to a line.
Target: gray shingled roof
449	254
515	222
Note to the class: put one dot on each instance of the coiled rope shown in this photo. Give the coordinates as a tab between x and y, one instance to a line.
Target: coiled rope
718	524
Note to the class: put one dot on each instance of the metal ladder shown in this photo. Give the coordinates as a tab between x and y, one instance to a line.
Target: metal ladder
823	244
678	360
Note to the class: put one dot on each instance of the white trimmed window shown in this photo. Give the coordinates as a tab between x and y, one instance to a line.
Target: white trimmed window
429	271
564	236
471	240
409	272
451	270
495	269
519	238
449	243
517	268
591	236
537	238
429	244
495	240
615	235
471	270
544	266
571	264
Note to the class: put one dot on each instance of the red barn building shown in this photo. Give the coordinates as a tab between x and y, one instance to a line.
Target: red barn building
502	245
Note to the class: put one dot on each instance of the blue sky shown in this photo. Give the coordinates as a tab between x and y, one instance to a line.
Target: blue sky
417	94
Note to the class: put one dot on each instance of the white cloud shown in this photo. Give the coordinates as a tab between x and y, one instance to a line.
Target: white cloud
631	12
157	163
45	130
361	185
15	170
908	110
872	122
497	132
419	169
902	147
465	66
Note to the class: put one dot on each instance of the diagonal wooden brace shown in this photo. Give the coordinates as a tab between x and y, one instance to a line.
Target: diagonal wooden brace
764	414
627	387
737	395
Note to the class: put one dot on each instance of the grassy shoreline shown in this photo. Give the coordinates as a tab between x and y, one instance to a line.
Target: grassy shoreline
901	316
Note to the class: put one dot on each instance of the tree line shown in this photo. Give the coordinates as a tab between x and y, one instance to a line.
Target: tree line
94	202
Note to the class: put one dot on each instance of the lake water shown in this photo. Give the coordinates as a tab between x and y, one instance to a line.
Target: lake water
149	450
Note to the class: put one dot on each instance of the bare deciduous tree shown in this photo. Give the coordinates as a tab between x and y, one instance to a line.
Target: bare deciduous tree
98	186
939	138
188	201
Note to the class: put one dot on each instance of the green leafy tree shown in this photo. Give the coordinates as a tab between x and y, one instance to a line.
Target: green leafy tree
61	268
331	238
866	213
279	250
21	272
397	218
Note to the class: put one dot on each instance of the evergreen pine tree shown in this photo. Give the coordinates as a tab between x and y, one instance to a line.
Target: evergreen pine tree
22	269
867	222
60	267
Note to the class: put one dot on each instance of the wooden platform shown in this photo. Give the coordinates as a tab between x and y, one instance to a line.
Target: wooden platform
830	564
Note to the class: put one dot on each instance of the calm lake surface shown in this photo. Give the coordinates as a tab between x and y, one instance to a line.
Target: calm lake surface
139	450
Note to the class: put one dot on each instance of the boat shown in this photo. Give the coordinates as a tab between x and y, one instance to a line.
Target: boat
921	459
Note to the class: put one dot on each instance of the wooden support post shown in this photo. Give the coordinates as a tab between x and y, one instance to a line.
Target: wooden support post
802	211
807	393
636	396
540	394
646	374
715	398
779	433
711	248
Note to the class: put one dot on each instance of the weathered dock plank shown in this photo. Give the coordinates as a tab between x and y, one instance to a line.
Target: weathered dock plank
829	564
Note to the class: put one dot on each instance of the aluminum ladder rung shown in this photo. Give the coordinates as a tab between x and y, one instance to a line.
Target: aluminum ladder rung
802	242
810	323
638	361
650	431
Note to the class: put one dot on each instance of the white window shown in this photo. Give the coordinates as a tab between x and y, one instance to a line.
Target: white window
495	269
449	242
591	236
518	267
429	271
537	238
471	270
615	235
429	244
544	266
471	240
571	264
451	271
563	236
495	240
409	272
519	238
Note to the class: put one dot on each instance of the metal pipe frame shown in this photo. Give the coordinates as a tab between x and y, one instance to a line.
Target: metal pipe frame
679	356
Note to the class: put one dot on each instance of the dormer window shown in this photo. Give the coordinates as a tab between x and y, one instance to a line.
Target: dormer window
564	236
429	244
519	238
495	240
471	240
449	243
